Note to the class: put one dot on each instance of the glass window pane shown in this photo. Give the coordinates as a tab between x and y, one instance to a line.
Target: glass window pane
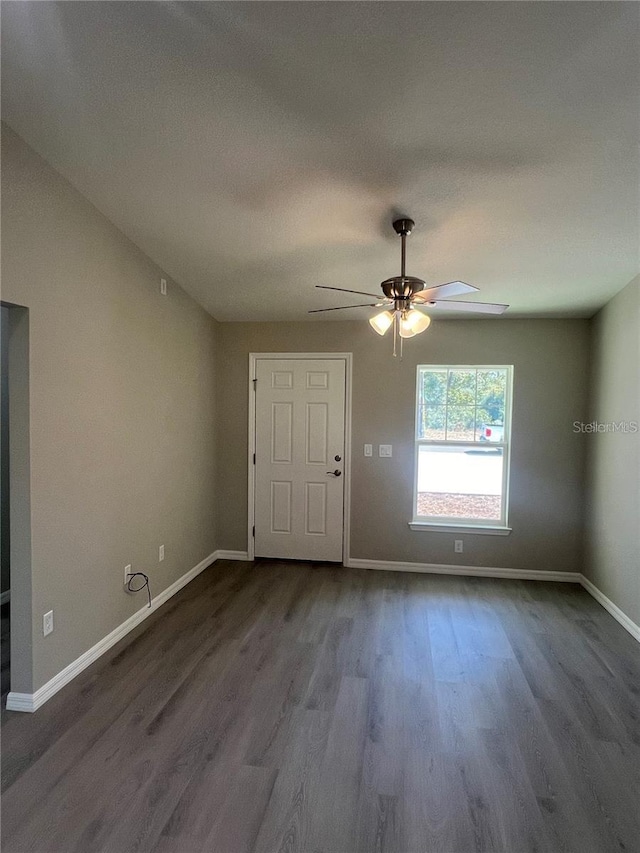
486	428
461	423
432	422
433	387
462	388
460	483
492	389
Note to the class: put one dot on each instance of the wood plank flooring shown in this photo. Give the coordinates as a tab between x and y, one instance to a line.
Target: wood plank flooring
295	707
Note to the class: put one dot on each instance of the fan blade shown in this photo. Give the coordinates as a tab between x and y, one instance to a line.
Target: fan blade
470	307
342	290
342	307
451	288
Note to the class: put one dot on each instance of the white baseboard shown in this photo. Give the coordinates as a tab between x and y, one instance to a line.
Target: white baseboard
32	701
468	571
513	574
21	702
231	555
5	596
612	608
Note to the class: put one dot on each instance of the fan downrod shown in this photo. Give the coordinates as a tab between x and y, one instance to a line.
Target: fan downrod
403	227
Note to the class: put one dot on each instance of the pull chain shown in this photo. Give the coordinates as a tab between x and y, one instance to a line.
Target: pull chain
397	336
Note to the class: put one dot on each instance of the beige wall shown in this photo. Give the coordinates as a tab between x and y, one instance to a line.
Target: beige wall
613	517
550	386
122	410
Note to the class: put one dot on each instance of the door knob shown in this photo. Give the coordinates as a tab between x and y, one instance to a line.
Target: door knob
335	473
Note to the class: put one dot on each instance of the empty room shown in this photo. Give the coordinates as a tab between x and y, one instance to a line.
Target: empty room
320	427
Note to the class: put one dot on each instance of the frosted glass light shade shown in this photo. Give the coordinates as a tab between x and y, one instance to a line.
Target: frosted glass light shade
381	322
404	327
413	323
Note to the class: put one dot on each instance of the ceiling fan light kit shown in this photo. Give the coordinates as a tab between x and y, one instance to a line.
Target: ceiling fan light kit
403	294
381	322
413	323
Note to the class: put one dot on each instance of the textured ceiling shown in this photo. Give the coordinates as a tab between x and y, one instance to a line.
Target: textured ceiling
254	150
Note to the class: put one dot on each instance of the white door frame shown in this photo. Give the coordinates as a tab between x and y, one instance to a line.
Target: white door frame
347	357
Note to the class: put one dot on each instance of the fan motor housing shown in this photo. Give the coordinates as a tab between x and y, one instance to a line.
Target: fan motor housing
402	287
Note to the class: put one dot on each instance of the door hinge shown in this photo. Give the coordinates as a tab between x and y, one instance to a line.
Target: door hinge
254	458
254	531
255	382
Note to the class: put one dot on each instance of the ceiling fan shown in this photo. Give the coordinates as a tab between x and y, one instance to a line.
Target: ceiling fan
405	295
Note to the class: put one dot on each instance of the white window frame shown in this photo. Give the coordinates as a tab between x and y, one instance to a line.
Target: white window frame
464	525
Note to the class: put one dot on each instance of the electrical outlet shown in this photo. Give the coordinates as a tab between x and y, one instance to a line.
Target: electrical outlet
368	450
385	450
457	546
163	286
161	553
127	574
47	623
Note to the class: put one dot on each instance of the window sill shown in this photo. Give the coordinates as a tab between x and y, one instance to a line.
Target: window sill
430	527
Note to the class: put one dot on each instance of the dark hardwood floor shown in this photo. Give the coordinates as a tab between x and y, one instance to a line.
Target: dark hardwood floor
309	708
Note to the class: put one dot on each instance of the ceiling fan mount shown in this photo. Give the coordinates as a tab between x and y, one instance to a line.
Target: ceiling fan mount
403	227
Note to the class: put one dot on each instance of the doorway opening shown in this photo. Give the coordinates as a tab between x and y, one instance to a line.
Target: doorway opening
15	509
5	535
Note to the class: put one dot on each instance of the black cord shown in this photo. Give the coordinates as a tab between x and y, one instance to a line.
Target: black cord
146	583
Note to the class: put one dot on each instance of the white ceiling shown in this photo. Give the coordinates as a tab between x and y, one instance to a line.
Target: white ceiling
254	150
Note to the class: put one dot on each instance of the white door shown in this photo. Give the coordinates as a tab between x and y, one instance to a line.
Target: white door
299	466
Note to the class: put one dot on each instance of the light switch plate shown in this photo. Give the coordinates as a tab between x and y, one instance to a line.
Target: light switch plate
385	450
368	450
47	623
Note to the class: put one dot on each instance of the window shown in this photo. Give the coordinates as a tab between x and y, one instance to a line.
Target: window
463	425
